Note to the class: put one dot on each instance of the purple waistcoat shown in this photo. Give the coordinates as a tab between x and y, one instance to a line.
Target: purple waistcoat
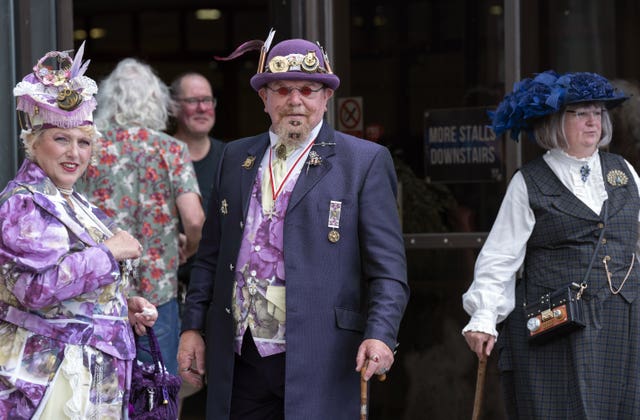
258	300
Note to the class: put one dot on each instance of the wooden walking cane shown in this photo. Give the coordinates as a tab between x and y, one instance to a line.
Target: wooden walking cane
482	370
364	390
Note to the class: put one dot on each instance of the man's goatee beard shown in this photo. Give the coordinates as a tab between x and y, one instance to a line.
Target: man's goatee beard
293	137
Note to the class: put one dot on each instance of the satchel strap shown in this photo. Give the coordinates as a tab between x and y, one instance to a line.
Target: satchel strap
595	251
583	285
154	351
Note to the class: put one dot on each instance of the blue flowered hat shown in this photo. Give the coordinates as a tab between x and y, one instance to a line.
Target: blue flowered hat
548	93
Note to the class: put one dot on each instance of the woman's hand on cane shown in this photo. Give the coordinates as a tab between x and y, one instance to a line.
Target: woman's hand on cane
480	343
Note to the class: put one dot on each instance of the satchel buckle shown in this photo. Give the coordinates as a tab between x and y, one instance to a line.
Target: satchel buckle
546	315
581	287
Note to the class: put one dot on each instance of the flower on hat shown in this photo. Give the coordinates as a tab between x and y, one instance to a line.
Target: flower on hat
548	93
583	87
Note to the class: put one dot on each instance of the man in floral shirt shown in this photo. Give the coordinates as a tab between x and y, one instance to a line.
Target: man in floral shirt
145	180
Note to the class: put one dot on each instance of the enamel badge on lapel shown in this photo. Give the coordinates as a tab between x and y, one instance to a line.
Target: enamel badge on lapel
335	207
248	162
223	207
617	178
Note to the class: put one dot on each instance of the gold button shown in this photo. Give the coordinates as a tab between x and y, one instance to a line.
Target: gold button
604	240
600	225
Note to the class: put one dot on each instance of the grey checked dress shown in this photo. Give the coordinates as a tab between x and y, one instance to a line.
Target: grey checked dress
593	373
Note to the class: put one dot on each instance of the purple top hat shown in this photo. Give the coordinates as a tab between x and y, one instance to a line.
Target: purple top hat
296	59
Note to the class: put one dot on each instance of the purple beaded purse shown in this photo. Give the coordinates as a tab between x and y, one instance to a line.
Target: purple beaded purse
154	391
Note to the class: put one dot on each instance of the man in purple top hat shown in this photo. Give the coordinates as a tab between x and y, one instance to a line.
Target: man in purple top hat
300	278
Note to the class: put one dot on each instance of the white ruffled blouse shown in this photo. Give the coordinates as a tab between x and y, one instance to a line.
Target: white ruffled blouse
491	296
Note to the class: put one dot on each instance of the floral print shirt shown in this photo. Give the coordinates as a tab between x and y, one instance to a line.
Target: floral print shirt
137	179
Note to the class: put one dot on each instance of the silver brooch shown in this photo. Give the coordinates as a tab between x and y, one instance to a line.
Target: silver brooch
314	159
617	178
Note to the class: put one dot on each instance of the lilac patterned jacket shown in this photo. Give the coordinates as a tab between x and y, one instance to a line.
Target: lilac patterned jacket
55	279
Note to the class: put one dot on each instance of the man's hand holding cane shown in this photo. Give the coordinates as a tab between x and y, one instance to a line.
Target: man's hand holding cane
374	357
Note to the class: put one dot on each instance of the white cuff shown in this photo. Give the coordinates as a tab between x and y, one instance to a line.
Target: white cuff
483	320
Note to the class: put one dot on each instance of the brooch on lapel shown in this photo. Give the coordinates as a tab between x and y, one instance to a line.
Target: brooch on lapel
314	159
224	209
248	162
617	178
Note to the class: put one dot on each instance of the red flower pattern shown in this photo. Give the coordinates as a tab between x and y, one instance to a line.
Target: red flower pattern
138	176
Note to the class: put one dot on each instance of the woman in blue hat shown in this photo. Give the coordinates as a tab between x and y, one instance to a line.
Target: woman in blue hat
570	220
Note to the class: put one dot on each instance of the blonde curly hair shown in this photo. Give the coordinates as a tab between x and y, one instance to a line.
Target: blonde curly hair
30	137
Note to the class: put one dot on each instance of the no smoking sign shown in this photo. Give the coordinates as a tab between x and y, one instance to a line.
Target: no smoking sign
350	115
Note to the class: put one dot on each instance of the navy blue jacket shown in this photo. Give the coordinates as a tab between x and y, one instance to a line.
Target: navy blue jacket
337	293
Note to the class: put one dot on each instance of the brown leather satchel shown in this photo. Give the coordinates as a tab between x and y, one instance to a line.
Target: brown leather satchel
555	314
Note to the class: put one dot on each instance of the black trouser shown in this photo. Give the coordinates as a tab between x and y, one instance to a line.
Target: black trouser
258	384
